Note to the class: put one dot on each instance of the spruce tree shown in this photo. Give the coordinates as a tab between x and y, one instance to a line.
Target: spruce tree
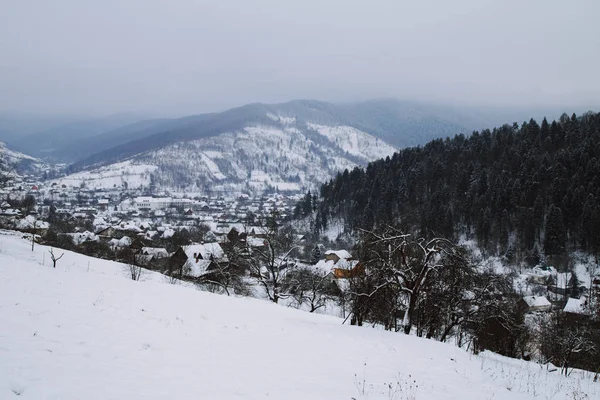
555	235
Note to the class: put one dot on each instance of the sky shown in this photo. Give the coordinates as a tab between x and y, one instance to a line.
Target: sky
191	56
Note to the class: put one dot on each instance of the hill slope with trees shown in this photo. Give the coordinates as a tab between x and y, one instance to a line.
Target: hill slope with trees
520	191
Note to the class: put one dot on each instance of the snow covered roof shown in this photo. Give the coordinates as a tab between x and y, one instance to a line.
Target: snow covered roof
196	269
255	242
79	238
125	241
327	266
29	221
342	254
537	301
157	252
167	233
575	306
324	266
205	250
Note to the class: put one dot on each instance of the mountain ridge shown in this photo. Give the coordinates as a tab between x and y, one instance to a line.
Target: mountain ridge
398	133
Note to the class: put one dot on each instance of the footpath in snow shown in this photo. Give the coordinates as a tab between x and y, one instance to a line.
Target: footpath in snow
86	331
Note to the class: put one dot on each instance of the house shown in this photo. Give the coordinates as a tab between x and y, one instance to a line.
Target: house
337	255
353	272
108	232
103	204
575	306
235	236
534	303
342	269
157	252
196	259
139	243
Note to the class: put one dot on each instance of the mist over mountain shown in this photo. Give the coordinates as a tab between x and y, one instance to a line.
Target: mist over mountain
45	136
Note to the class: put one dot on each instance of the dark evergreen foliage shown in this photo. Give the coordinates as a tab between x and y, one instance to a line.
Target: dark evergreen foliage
514	189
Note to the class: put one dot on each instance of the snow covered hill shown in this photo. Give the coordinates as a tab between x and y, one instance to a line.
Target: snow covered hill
86	331
284	155
22	163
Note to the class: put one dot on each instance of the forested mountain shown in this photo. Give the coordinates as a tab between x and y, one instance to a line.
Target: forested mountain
520	191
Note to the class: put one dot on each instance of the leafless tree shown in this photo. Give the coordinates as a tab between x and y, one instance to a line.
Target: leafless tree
135	269
54	258
307	286
570	342
272	260
227	276
399	265
33	232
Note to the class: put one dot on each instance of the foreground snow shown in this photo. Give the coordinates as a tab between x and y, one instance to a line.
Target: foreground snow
85	331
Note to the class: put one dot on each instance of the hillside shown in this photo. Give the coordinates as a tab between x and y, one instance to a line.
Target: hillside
521	191
17	162
281	154
398	123
84	330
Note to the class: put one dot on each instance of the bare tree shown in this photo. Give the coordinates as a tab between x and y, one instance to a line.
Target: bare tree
54	258
400	265
570	342
269	262
307	286
228	276
33	231
135	269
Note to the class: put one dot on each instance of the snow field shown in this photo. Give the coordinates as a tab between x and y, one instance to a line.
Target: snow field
86	331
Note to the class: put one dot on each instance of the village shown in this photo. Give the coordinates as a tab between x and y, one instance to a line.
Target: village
182	237
205	240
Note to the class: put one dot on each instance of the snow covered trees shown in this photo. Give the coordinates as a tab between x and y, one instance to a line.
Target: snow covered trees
271	258
308	286
512	188
7	169
397	268
570	342
555	238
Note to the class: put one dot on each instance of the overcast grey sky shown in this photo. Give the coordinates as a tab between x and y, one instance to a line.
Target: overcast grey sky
186	56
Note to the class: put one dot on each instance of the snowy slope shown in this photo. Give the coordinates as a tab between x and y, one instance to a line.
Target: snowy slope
22	162
85	331
286	156
125	174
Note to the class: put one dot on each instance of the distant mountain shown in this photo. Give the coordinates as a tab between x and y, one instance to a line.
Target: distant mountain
398	123
280	154
43	143
14	126
78	149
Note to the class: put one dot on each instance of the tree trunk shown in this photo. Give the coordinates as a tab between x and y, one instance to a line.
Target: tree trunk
407	322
